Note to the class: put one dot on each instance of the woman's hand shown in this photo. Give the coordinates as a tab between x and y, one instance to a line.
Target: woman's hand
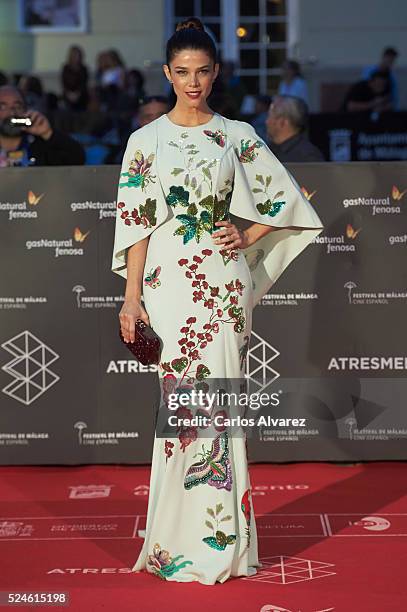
231	237
132	310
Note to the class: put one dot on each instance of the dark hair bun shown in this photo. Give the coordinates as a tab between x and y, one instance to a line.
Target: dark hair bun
193	23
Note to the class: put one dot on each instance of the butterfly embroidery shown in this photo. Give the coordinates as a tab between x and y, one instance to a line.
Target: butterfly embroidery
214	467
218	137
152	279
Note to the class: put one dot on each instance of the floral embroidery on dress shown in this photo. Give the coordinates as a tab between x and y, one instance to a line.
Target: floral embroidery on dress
219	137
194	225
139	172
167	448
219	540
162	564
245	506
229	255
198	178
144	216
214	467
151	279
197	174
192	340
269	207
247	151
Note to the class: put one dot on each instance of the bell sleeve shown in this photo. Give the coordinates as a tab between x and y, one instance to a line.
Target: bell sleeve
140	204
265	192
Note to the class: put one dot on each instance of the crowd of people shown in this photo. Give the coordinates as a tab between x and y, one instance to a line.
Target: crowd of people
117	93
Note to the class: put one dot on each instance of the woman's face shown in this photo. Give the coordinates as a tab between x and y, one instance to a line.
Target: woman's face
192	73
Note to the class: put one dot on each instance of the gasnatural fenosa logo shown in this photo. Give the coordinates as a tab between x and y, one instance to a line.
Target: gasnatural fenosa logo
20	210
340	243
61	247
379	205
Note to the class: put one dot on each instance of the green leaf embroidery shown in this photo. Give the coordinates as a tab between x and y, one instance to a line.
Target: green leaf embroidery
207	173
268	181
209	524
257	190
192	209
202	372
259	177
179	364
184	135
219	210
177	195
219	508
278	195
207	202
177	171
226	518
148	210
210	512
186	180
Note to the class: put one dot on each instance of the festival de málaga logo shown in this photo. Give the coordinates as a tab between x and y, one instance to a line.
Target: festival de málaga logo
69	246
378	206
341	243
20	210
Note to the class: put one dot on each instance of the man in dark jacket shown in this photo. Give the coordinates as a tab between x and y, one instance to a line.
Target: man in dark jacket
286	123
36	145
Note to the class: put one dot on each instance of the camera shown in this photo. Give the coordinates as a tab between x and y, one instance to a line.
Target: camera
11	126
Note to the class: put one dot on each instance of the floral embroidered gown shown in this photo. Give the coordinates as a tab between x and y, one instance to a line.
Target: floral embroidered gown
175	183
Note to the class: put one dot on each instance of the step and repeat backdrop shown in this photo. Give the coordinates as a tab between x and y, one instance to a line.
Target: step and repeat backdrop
329	338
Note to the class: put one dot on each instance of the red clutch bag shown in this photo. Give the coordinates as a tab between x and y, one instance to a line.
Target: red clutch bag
146	346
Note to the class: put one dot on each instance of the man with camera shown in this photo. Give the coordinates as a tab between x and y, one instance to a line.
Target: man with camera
27	138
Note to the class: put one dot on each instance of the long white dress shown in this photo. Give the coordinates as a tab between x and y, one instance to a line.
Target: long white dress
175	182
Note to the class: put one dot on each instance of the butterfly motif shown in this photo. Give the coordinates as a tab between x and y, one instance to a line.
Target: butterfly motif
308	194
79	236
396	194
152	279
218	137
220	541
351	232
34	199
214	467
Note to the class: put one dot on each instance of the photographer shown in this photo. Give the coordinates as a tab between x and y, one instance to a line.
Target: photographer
37	144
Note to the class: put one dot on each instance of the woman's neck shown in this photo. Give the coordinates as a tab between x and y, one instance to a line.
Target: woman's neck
188	116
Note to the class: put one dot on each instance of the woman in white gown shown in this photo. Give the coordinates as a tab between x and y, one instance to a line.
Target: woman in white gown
200	278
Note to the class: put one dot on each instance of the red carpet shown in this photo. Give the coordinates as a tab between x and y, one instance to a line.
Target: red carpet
332	539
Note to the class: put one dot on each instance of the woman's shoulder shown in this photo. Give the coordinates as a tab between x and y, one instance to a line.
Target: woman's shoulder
240	129
146	133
